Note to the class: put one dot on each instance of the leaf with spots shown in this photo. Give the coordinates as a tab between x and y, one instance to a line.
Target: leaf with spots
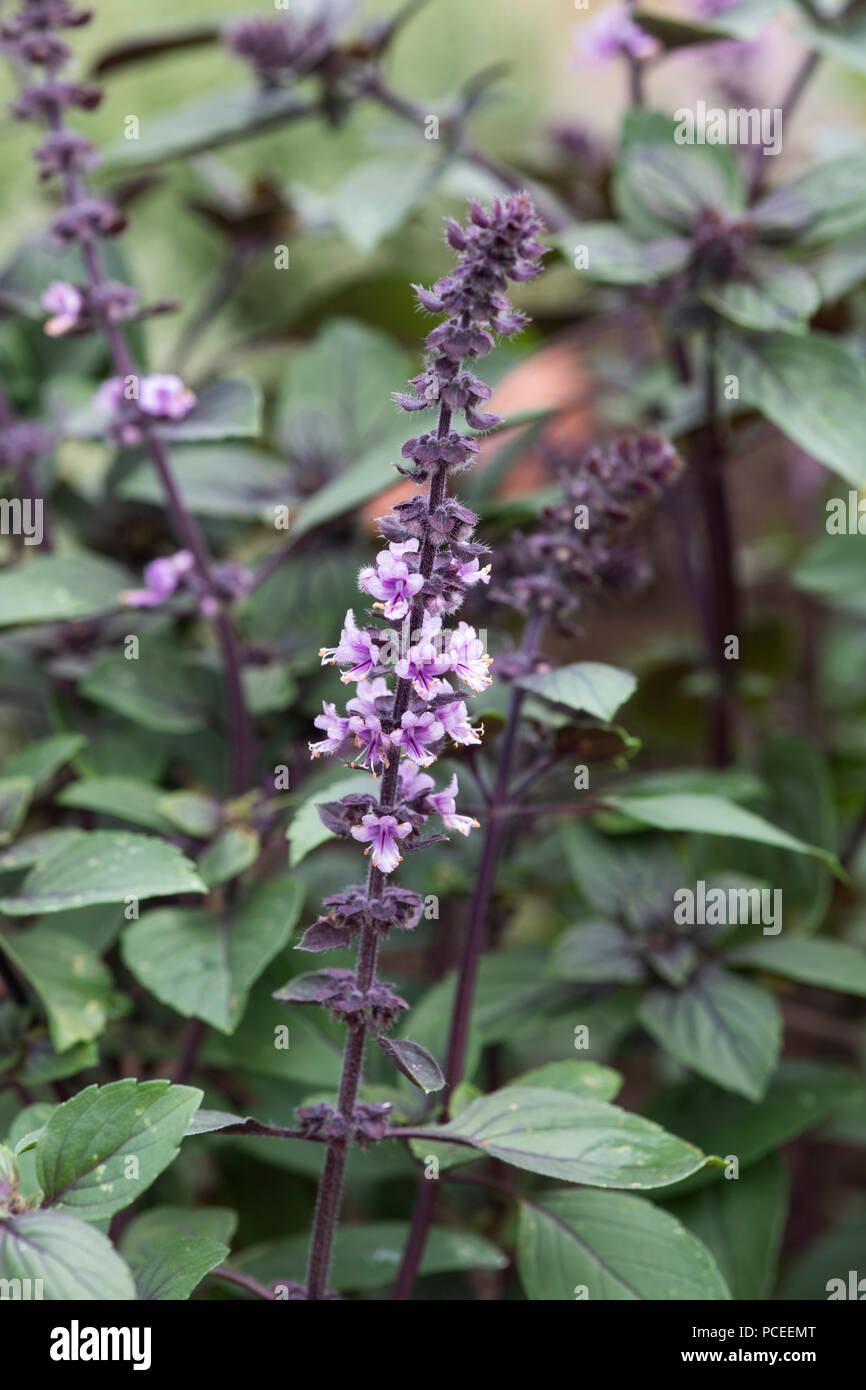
109	867
73	985
572	1138
102	1149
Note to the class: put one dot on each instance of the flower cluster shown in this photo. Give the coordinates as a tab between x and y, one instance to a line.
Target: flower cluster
172	573
585	542
431	560
32	36
613	34
287	45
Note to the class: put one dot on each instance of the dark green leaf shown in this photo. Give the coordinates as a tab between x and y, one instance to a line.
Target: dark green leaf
415	1062
812	388
174	1271
712	815
742	1221
720	1026
827	964
609	1246
156	691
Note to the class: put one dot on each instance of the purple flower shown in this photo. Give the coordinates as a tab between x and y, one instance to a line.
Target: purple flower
416	732
356	649
468	659
335	728
426	662
454	719
413	782
364	700
64	302
160	396
613	34
370	739
470	573
443	804
392	582
165	397
381	834
162	577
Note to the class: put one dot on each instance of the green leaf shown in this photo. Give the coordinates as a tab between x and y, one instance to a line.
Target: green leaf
220	480
588	1079
108	867
377	196
815	1274
203	966
825	204
355	364
72	983
597	952
15	794
158	692
368	1256
177	1269
205	123
192	812
590	687
121	797
227	409
800	1096
744	21
269	689
825	964
574	1139
664	186
45	757
415	1062
801	801
306	831
839	267
73	1260
616	256
712	815
613	1247
767	294
720	1026
346	493
235	849
812	388
59	588
741	1221
33	848
161	1226
102	1149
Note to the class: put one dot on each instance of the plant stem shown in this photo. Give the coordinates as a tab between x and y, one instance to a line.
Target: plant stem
331	1185
467	971
721	588
184	522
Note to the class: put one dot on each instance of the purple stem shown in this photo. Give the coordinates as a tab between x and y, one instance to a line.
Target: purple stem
331	1184
467	971
185	525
